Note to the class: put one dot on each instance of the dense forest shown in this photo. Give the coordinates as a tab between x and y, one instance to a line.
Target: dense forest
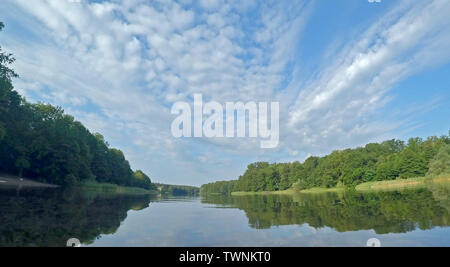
388	160
41	142
177	190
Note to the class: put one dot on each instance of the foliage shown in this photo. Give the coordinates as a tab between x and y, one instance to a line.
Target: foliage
441	163
178	190
41	142
111	188
388	160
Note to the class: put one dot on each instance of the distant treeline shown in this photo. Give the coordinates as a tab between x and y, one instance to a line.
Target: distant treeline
40	142
389	160
177	190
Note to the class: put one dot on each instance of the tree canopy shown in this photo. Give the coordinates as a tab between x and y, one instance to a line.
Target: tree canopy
441	163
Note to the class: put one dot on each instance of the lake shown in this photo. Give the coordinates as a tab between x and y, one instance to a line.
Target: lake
49	217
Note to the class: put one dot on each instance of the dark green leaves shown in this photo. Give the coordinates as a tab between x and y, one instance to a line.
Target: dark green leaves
375	162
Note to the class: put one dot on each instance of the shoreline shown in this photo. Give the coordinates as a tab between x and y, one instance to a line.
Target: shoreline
282	192
115	189
12	181
314	190
402	184
364	187
9	181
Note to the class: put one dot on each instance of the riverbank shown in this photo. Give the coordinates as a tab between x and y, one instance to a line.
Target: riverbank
402	184
116	189
320	190
369	186
283	192
315	190
13	181
10	181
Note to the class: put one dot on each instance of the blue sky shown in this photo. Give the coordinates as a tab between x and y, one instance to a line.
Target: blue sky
345	73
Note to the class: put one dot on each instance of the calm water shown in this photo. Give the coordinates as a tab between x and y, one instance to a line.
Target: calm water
50	217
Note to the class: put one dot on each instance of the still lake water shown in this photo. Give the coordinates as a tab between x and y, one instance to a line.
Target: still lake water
30	217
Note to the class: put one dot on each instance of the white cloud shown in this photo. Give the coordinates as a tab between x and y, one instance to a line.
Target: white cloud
338	107
119	65
131	60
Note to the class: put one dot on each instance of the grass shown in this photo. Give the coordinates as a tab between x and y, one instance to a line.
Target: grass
402	183
369	186
315	190
283	192
114	189
319	190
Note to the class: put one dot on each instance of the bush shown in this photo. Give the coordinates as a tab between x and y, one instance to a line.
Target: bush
70	180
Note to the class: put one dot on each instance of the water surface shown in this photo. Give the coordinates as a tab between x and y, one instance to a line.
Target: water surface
50	217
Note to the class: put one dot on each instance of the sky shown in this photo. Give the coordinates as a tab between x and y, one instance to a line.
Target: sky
346	73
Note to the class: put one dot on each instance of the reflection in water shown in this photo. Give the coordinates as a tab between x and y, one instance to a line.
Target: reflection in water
50	217
385	212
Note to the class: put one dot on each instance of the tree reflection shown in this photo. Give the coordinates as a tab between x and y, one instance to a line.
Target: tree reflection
51	217
384	212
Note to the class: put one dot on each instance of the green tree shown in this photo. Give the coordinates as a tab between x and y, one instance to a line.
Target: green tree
412	163
388	160
441	163
6	74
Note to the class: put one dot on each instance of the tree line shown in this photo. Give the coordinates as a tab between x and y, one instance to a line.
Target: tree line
177	190
389	160
41	142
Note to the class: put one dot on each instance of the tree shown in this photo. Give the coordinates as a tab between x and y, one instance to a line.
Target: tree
412	163
5	60
6	74
22	163
142	180
388	160
441	163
